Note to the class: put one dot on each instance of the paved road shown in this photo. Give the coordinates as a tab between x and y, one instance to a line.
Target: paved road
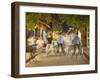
53	60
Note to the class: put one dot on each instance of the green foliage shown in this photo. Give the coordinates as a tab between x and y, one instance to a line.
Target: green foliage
31	20
75	21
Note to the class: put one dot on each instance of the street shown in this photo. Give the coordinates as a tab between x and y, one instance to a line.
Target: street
53	60
57	59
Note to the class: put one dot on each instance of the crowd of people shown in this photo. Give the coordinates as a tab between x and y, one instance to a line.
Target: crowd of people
45	41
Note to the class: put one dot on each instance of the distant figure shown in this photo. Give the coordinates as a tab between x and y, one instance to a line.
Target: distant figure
60	42
76	42
45	38
37	32
49	47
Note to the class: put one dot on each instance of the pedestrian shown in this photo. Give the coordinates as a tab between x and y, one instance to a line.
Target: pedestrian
49	47
76	42
37	32
60	42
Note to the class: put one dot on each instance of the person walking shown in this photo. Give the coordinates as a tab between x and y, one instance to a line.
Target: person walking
37	32
49	47
76	42
60	42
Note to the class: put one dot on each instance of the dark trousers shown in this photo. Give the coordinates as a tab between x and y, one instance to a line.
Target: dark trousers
62	48
77	46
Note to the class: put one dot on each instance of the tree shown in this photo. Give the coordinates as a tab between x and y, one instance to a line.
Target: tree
75	21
